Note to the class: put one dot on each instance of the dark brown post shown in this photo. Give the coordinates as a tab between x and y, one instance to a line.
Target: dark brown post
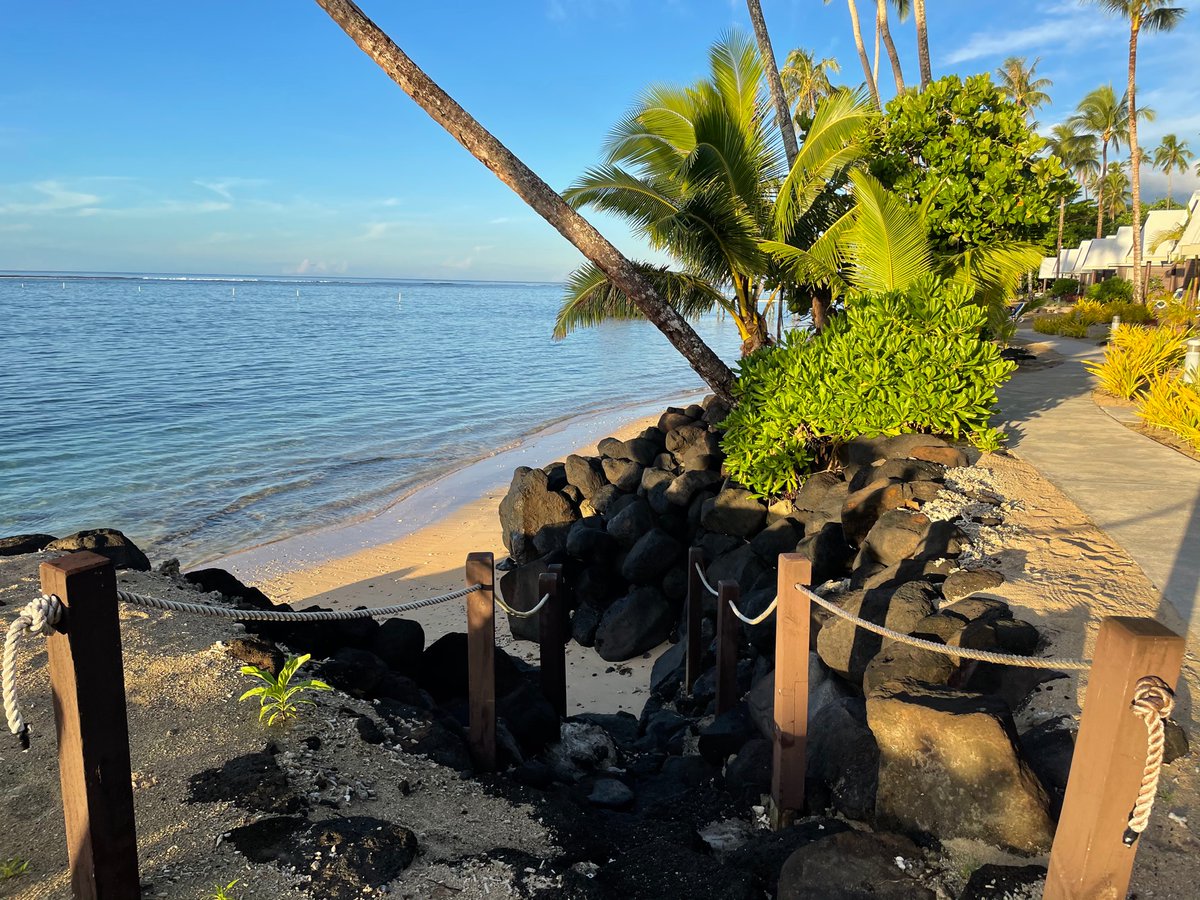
694	612
1090	858
481	660
88	682
792	620
551	628
727	646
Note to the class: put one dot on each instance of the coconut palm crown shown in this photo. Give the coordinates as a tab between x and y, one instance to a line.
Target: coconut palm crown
1017	81
699	172
1172	155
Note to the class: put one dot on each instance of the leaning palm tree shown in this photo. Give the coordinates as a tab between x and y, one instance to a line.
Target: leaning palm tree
1018	83
806	81
922	43
699	174
782	115
533	190
868	75
1074	150
1106	116
1172	155
1143	15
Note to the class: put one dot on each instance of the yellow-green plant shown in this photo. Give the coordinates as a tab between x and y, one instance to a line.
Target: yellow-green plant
223	893
12	867
1135	356
1174	406
278	698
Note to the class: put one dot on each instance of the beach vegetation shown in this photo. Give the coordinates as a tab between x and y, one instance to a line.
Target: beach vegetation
13	867
1019	83
1173	405
699	172
1136	356
912	358
226	892
1110	290
279	698
1089	312
967	152
1064	287
806	82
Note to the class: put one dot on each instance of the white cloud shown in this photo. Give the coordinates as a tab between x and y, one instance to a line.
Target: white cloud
1065	25
317	267
224	187
55	198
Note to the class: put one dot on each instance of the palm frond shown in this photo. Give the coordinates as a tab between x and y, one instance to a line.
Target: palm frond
591	298
888	247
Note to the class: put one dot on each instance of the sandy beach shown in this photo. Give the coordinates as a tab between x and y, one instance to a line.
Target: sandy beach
429	560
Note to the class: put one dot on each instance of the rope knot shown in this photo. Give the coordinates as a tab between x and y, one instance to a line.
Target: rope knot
38	616
43	613
1153	697
1153	701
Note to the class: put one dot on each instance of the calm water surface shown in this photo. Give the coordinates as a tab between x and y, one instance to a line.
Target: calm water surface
200	415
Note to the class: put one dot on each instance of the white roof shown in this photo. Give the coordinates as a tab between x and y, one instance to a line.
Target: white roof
1107	253
1071	258
1159	221
1189	245
1049	268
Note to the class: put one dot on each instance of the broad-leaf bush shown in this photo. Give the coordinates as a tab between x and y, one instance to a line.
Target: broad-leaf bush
899	361
1111	289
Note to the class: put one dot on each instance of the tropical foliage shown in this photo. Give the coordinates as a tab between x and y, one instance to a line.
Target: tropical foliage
1136	356
1173	405
967	152
1170	156
698	171
1091	312
911	359
1106	116
1019	84
806	81
279	699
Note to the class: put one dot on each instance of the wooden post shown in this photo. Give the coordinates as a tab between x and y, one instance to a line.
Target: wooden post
481	660
693	613
1090	858
727	646
792	621
88	682
551	628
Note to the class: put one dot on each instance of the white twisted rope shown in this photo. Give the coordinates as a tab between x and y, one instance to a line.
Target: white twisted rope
268	615
37	617
1153	701
761	617
704	581
1003	659
521	613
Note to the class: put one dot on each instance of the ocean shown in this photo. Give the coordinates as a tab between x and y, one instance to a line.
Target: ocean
203	414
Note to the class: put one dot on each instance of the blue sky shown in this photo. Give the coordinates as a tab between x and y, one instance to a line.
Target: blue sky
253	137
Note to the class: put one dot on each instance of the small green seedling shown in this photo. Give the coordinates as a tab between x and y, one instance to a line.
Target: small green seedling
278	696
12	867
222	893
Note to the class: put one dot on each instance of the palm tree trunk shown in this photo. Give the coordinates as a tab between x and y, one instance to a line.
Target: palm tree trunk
782	113
1100	190
922	43
529	187
1135	165
862	54
1062	216
881	22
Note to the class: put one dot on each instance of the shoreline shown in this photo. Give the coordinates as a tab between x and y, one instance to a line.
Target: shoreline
430	501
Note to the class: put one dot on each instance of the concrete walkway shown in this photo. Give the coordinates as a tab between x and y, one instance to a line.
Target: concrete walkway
1144	495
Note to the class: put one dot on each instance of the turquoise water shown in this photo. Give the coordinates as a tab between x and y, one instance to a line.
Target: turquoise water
204	414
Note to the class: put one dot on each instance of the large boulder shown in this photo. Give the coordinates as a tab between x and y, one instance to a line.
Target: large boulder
686	486
639	621
534	520
898	470
864	506
823	690
444	669
584	473
635	520
734	511
828	551
107	542
781	536
399	643
853	865
519	588
587	540
965	582
742	565
900	662
950	766
901	534
228	585
649	559
843	759
847	649
624	474
655	483
24	543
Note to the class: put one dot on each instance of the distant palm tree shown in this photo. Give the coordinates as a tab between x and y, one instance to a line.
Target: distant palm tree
885	32
1076	151
1106	116
1172	155
868	76
1143	15
547	202
1112	190
806	80
1017	81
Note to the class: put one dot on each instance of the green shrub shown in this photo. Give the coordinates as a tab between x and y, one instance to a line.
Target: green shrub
1064	287
1172	405
278	700
1066	324
896	362
1111	289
